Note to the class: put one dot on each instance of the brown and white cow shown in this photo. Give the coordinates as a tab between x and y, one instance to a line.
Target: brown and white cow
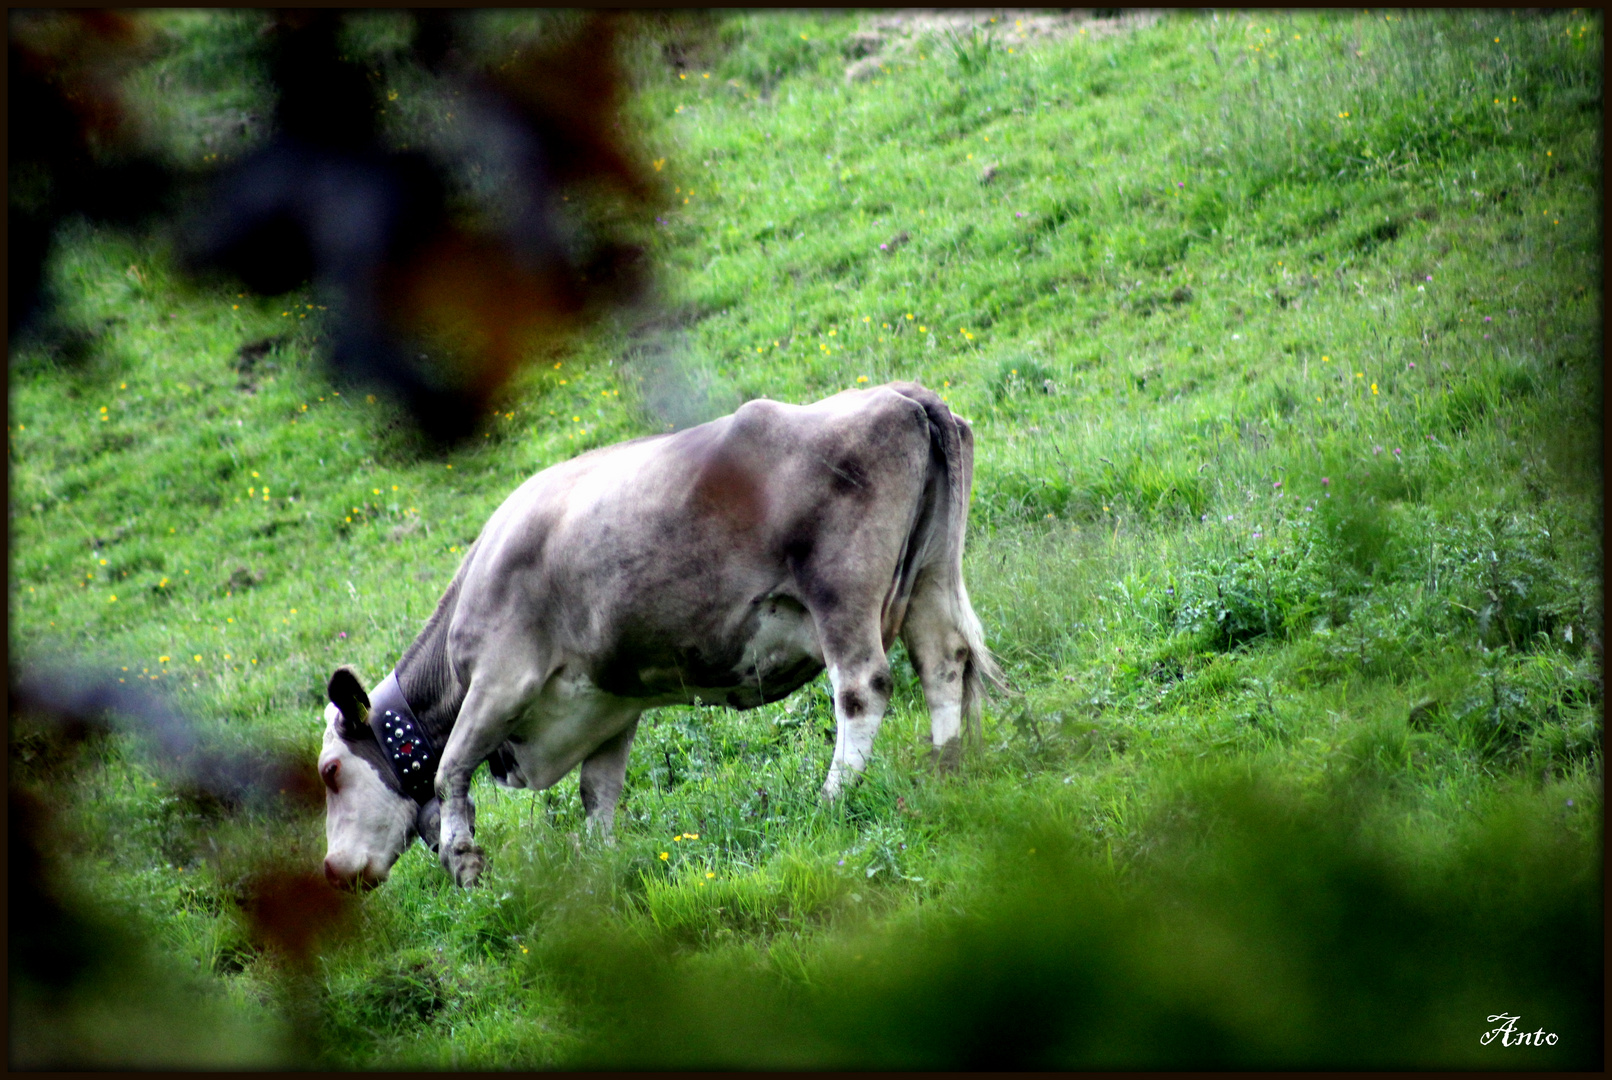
729	562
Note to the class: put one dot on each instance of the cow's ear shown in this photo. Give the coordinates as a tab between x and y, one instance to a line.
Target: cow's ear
347	694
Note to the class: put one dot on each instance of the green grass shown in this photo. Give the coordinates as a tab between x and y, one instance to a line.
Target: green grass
1280	337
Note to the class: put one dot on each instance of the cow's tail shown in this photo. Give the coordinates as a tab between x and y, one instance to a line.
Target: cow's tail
956	443
981	672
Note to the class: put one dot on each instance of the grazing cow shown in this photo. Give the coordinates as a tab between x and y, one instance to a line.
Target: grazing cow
728	563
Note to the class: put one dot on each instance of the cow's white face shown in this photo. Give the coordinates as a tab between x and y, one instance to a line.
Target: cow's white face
367	824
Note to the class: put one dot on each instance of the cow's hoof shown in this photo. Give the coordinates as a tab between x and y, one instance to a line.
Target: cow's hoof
595	833
465	862
947	757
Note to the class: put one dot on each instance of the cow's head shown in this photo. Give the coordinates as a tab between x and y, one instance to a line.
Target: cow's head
368	822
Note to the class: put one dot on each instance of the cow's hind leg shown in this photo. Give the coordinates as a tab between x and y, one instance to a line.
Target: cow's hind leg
490	711
603	774
860	675
940	654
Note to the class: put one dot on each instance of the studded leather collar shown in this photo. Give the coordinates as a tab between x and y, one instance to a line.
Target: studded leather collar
404	744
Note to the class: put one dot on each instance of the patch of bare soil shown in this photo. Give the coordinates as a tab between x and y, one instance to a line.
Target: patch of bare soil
891	35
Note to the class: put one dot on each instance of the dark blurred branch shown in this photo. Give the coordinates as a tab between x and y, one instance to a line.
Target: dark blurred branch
435	306
72	147
56	711
73	706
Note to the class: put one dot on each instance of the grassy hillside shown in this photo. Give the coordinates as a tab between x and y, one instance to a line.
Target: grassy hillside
1280	337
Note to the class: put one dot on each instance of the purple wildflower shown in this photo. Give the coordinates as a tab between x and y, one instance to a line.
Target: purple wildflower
1326	481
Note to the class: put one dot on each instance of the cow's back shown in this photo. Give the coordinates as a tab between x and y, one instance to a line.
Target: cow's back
663	554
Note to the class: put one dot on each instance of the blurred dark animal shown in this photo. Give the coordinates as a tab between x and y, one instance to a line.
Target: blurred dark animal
727	563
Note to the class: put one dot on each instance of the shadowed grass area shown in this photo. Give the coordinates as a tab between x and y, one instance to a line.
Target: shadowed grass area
1280	338
1264	928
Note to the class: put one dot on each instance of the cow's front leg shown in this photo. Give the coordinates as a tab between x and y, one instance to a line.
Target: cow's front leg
603	775
484	723
860	676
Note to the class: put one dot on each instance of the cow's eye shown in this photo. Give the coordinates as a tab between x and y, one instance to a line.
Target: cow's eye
328	773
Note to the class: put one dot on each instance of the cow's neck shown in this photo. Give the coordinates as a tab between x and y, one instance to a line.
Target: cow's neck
426	677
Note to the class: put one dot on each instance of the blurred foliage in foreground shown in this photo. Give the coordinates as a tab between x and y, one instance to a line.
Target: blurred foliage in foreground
1267	930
